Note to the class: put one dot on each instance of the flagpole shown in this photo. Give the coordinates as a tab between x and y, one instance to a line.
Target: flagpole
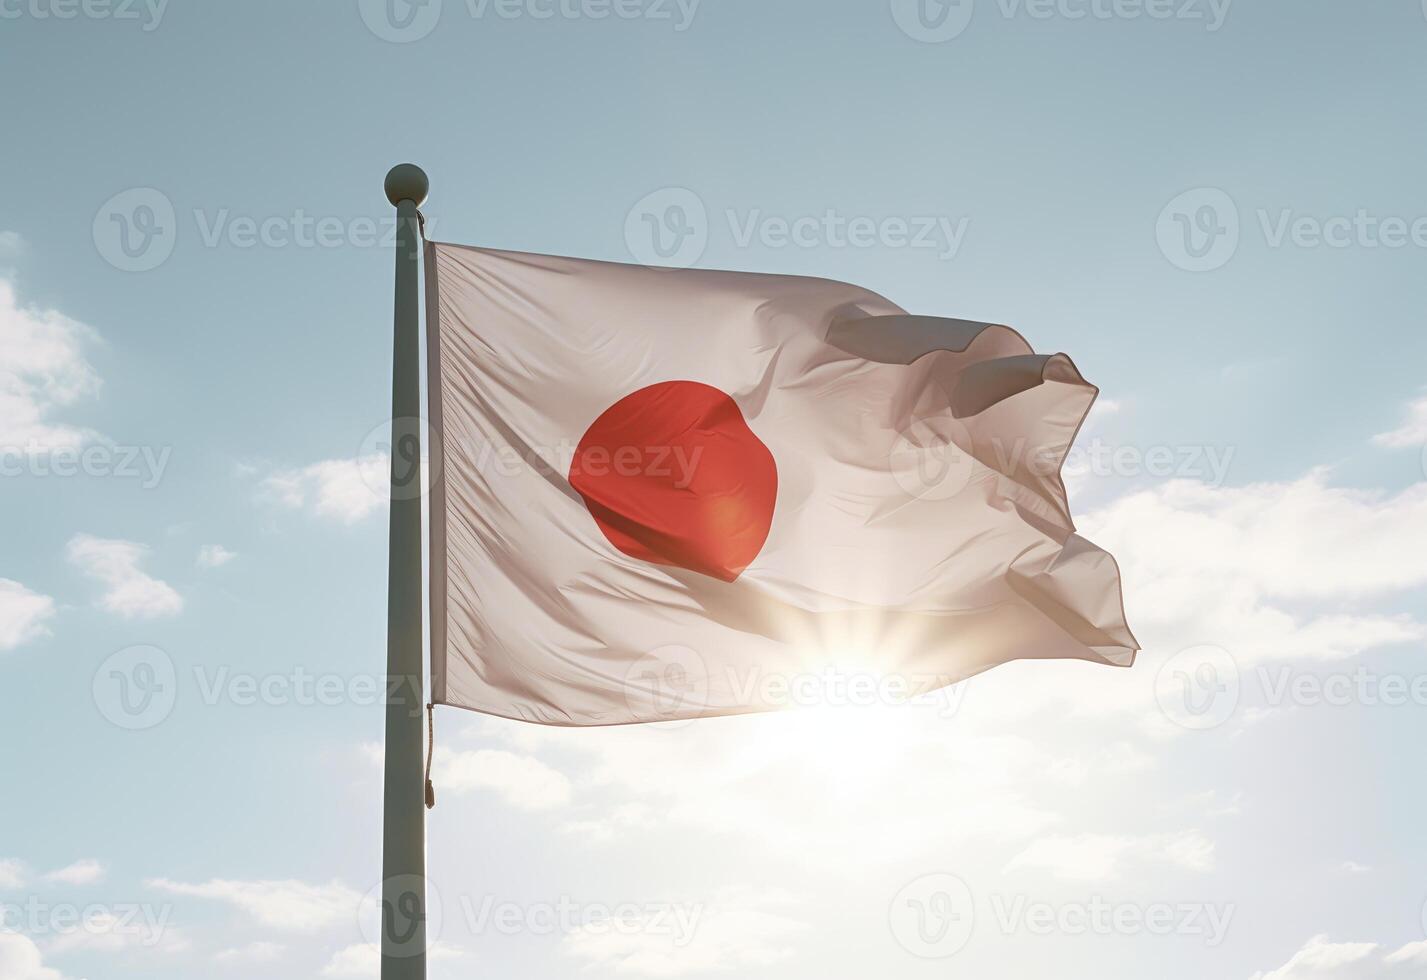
403	905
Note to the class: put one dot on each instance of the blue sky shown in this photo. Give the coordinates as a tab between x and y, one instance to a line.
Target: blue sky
1216	209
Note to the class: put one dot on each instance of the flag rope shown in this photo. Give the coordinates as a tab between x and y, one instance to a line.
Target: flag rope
430	754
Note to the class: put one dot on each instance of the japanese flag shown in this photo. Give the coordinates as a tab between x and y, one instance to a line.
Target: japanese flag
663	494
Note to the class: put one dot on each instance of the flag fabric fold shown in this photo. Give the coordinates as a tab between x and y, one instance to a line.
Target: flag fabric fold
663	494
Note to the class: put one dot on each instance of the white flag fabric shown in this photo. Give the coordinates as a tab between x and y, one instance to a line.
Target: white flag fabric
663	494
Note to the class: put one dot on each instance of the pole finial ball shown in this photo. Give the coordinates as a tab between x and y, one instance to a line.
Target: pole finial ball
407	182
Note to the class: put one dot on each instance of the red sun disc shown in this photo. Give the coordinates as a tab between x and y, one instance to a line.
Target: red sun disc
672	474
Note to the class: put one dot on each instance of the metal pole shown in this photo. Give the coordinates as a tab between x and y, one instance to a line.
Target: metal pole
403	906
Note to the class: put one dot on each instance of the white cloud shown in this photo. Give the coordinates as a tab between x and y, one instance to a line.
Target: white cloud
1237	566
42	369
360	961
1321	959
1101	857
214	556
521	780
12	874
20	959
739	930
345	490
1413	953
1413	430
106	932
259	952
85	872
130	592
291	906
23	614
805	785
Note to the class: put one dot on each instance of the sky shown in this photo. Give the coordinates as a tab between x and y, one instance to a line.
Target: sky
1215	207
